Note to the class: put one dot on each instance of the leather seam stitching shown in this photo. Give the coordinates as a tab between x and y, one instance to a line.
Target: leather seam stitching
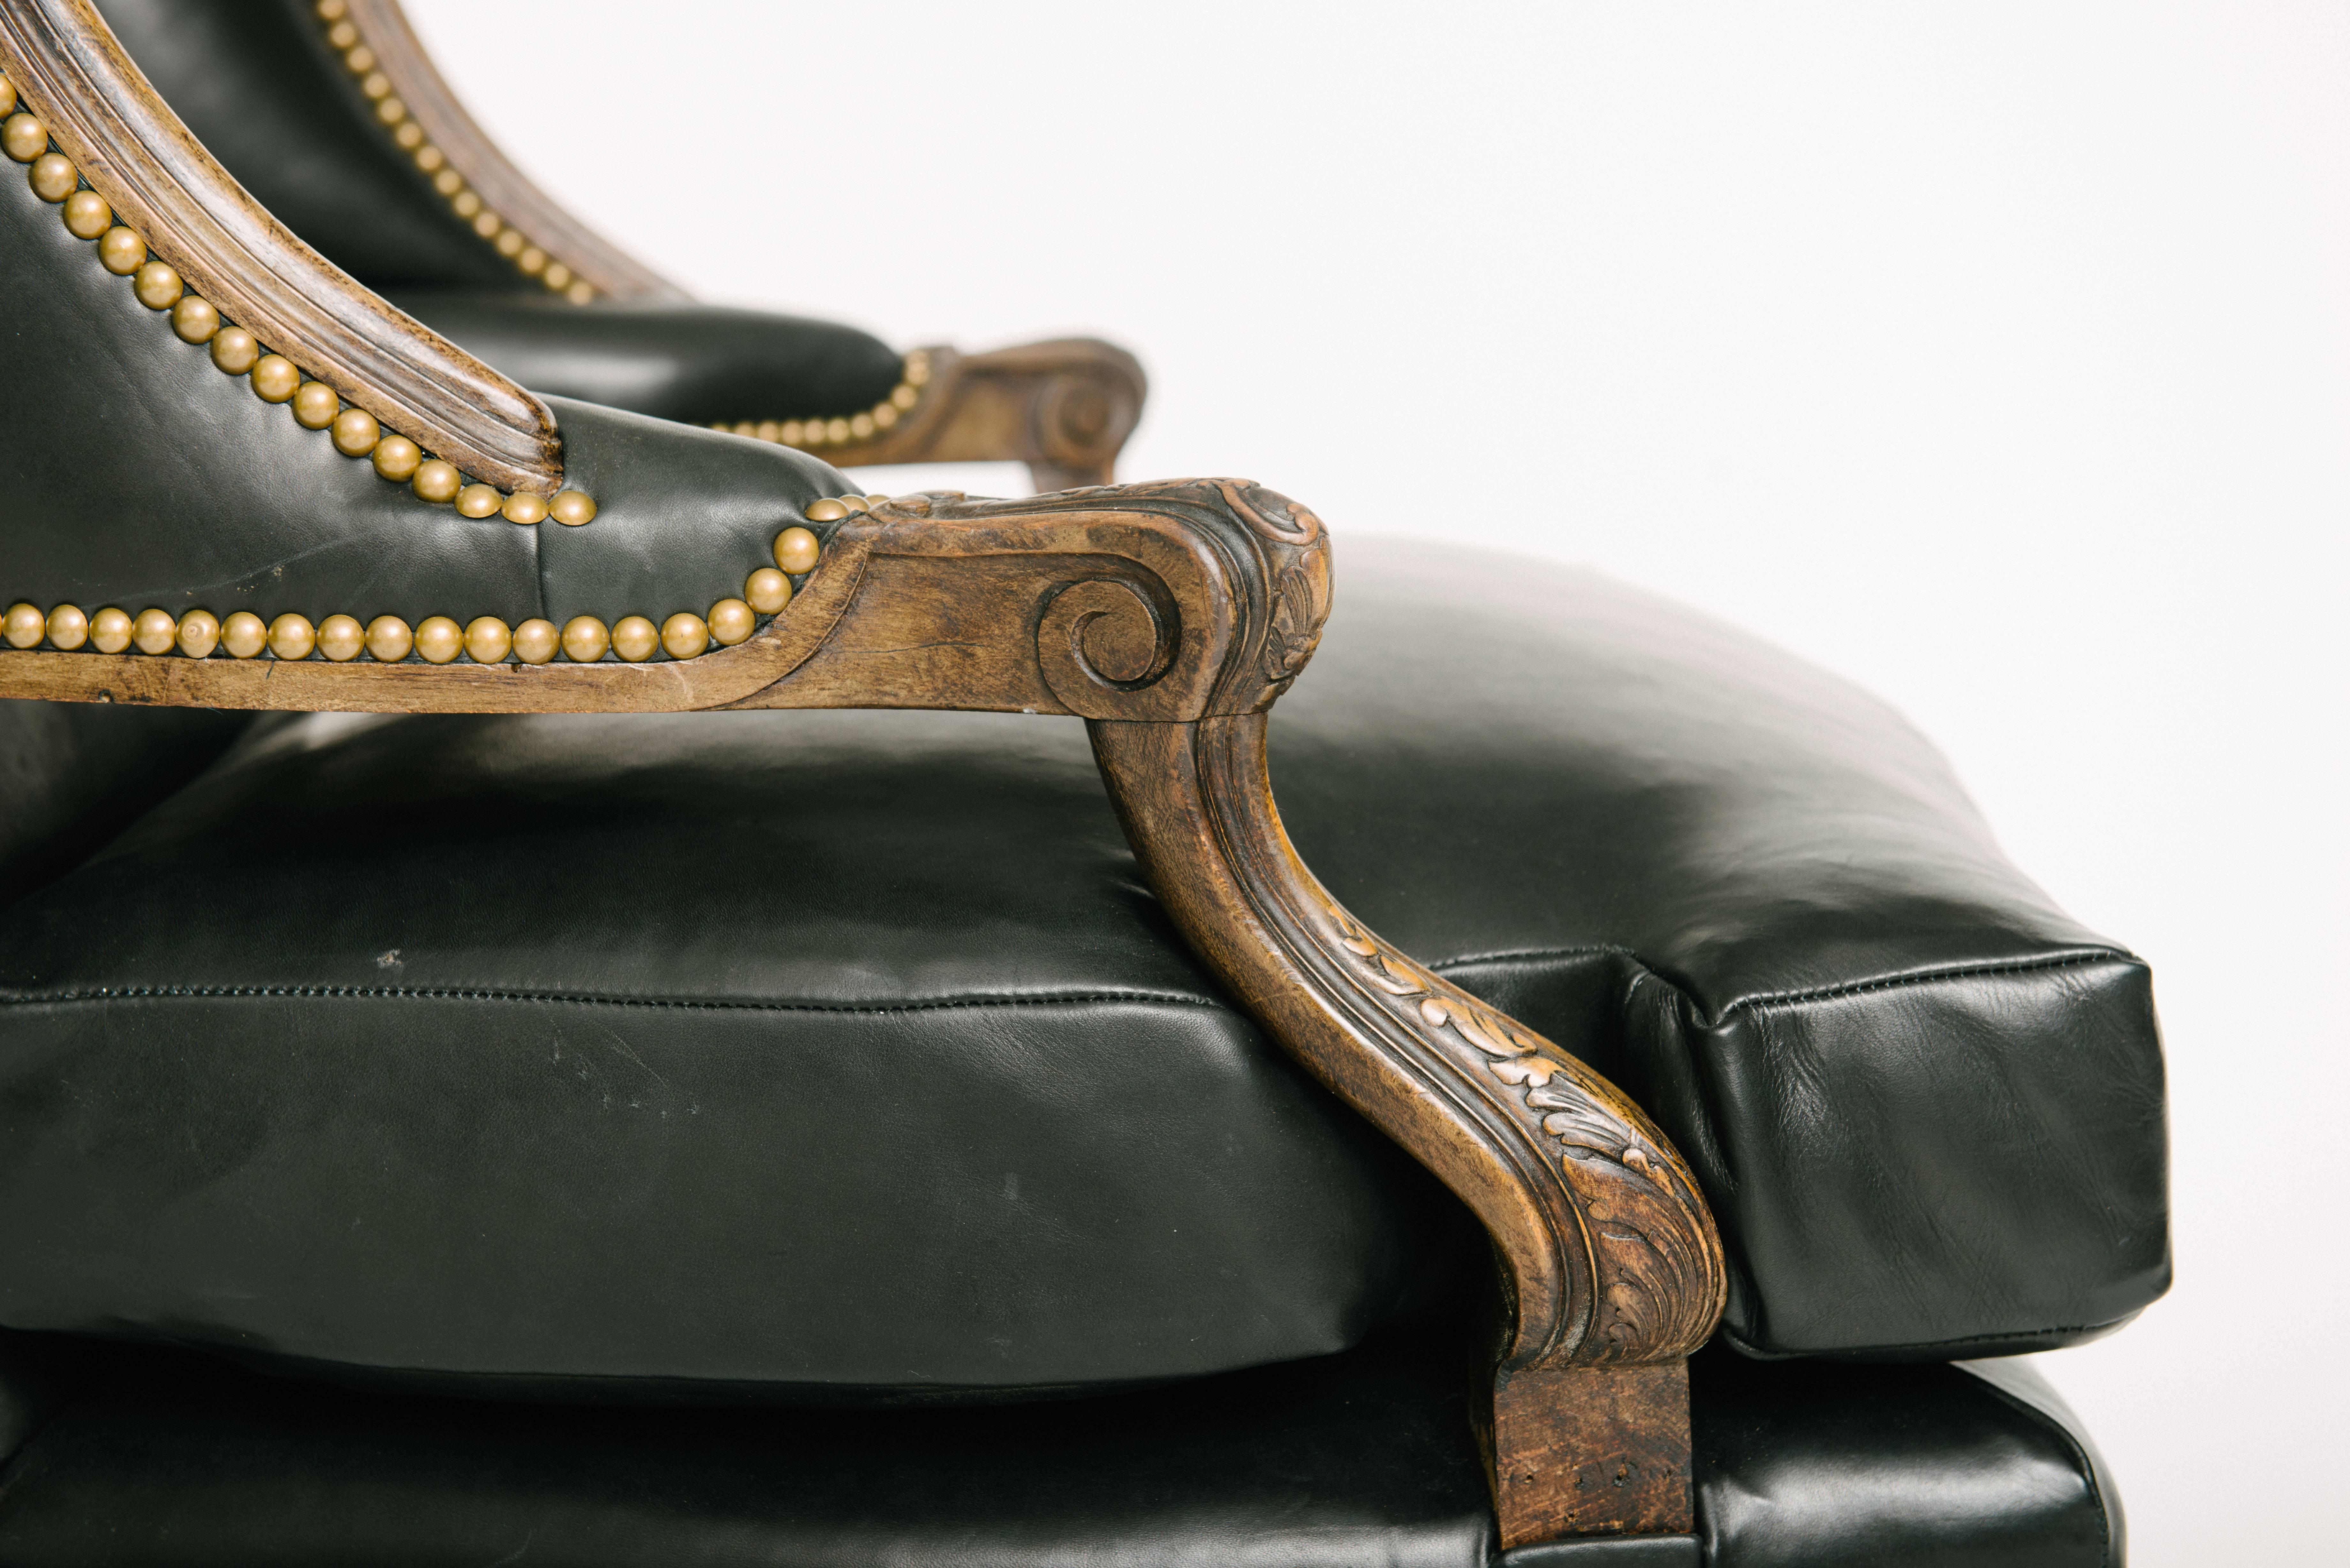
1757	1353
1930	977
1817	993
459	994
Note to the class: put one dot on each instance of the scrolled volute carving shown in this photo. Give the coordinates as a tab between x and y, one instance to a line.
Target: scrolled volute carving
1106	634
1081	414
1158	602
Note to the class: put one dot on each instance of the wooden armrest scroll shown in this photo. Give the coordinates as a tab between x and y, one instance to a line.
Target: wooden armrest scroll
1172	617
1063	408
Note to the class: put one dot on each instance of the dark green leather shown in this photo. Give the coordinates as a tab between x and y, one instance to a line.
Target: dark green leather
1811	1465
137	474
74	774
1926	1105
39	1373
1364	1461
256	82
835	1050
846	1052
696	363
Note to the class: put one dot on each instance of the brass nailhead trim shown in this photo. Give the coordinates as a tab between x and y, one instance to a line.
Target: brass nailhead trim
199	634
343	36
809	433
438	639
275	378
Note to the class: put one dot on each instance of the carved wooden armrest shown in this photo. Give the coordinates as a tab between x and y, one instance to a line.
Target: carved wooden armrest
1171	617
1063	408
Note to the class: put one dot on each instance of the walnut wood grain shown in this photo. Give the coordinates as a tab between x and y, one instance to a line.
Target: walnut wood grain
1124	602
1063	408
134	152
1172	617
506	190
1613	1271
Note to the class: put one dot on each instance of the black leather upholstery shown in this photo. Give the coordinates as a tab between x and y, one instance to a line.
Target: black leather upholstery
697	363
141	475
74	774
1925	1106
846	1050
39	1373
823	1049
256	83
1363	1460
1805	1464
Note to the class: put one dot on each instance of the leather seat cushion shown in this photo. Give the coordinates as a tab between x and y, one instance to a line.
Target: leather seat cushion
847	1055
74	774
165	1461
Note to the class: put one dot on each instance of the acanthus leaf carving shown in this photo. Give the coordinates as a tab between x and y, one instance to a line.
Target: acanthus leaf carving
1656	1270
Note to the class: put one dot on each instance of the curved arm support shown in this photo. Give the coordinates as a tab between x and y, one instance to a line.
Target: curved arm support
1612	1271
1609	1251
1172	616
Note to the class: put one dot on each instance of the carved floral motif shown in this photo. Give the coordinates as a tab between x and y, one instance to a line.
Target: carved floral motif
1658	1280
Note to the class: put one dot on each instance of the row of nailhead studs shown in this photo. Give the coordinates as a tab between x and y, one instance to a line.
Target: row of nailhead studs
239	354
343	35
841	431
438	639
236	352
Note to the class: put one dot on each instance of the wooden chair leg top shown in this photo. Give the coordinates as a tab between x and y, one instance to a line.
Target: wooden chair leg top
1591	1451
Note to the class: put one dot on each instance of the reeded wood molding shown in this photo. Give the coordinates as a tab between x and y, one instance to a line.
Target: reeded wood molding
160	181
402	57
1065	408
1172	616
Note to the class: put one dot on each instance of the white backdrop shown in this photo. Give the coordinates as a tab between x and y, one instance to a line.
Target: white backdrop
1994	355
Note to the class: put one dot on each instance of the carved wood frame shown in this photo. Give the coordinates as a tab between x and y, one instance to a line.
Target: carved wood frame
505	190
1065	408
161	182
1171	617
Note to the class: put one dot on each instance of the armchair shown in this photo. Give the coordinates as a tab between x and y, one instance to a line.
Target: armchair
333	115
931	1135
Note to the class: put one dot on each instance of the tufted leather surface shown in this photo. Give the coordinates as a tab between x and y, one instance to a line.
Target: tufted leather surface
132	425
846	1052
166	1461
